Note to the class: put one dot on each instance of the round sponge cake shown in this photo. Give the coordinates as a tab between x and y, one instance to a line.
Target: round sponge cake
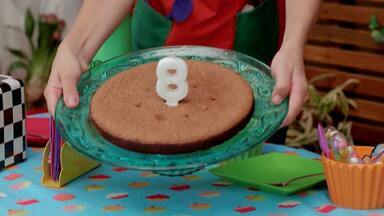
127	111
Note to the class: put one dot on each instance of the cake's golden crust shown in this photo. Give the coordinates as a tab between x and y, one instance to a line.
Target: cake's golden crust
127	111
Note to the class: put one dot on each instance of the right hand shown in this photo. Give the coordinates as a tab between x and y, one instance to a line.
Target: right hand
67	68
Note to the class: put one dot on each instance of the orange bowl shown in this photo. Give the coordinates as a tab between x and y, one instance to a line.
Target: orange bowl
355	186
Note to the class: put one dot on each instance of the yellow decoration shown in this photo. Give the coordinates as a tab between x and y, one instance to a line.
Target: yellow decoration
73	165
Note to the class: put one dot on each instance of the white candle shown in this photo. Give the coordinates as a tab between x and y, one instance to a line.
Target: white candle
172	83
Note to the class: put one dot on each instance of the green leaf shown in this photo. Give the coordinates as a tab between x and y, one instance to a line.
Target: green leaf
314	97
328	103
307	122
373	23
46	31
17	53
293	133
377	36
17	65
346	127
321	77
343	104
348	83
29	24
352	103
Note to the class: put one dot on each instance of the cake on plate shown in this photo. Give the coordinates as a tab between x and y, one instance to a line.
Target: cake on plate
127	111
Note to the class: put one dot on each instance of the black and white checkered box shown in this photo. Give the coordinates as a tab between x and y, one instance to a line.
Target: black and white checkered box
13	141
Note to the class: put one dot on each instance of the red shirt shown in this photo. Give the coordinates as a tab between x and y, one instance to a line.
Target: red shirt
211	23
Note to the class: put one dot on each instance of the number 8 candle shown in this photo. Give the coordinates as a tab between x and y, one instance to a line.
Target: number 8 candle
172	83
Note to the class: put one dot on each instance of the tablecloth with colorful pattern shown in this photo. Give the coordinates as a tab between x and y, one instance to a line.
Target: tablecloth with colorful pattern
117	191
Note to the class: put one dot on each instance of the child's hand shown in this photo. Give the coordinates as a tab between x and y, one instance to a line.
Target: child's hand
96	20
289	73
66	70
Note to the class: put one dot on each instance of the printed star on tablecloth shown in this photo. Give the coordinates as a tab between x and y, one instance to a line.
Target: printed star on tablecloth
148	174
191	177
155	209
209	194
288	204
21	185
18	212
221	184
74	208
27	201
113	208
180	187
255	197
2	195
245	209
138	184
200	206
117	195
157	197
326	208
12	176
63	197
94	187
119	169
100	177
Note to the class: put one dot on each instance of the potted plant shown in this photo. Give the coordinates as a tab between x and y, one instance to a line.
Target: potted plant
43	43
377	31
321	107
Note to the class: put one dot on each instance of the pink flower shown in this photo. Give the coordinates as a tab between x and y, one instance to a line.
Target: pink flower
56	35
51	18
61	24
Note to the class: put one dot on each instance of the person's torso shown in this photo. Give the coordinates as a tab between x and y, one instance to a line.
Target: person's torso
248	27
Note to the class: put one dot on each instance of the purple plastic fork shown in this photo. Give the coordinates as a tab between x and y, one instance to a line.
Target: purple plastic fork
322	140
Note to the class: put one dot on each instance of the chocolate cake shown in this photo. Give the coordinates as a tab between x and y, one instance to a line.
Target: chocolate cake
127	111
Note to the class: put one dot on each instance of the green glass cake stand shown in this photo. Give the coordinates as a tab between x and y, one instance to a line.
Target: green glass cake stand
76	128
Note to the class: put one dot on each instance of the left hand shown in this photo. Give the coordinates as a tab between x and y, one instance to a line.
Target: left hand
288	70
